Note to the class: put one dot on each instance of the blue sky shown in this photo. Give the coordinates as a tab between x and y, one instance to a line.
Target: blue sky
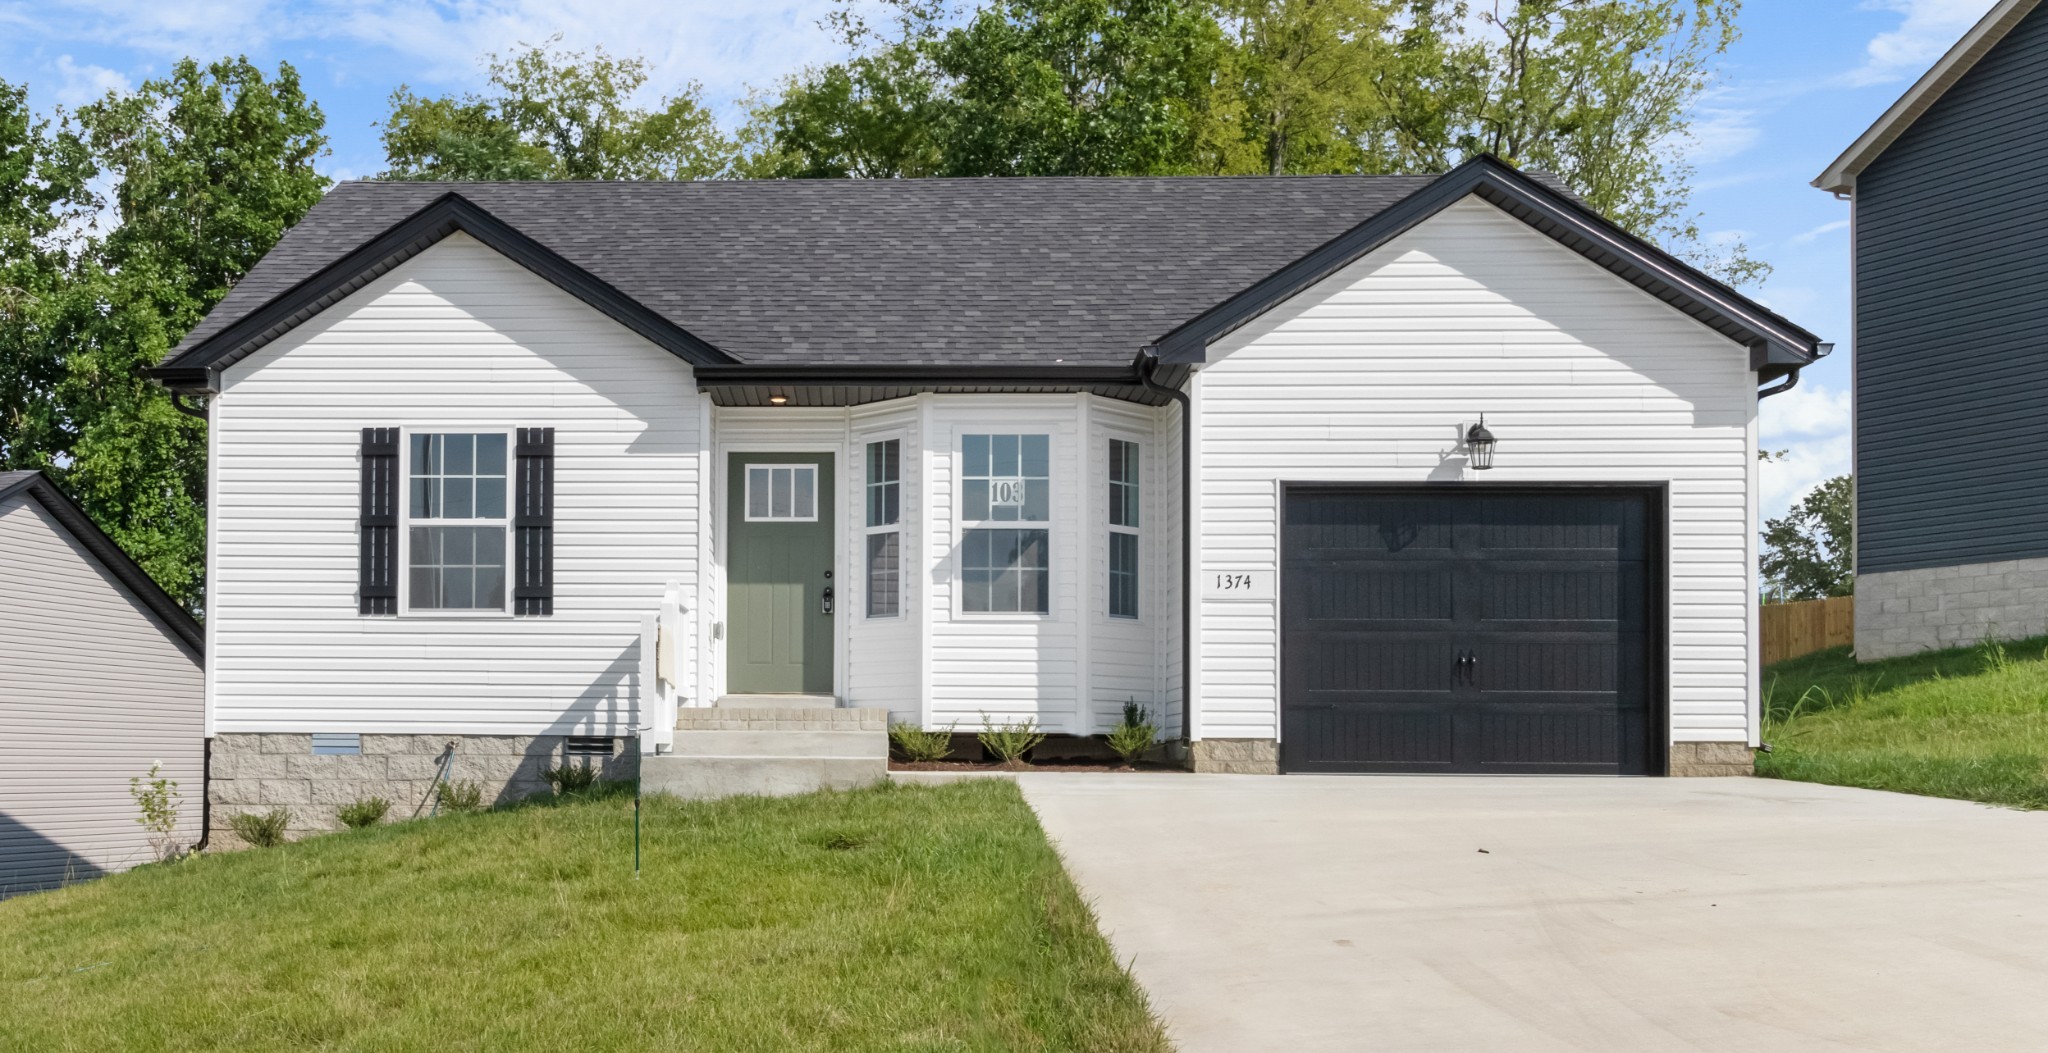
1807	77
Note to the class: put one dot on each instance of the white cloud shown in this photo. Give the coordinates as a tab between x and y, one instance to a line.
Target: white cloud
80	84
1811	424
1809	236
1807	410
727	46
1720	133
1927	28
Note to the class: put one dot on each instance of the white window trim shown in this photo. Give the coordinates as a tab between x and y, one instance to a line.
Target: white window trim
746	493
962	524
898	528
405	434
1135	531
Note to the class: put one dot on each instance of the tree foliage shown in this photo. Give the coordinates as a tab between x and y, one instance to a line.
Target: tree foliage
1596	91
554	113
1807	551
153	203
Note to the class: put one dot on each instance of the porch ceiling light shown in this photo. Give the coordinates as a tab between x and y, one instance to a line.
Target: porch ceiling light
1479	442
778	399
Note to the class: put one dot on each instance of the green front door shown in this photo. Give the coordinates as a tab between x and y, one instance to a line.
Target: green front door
779	574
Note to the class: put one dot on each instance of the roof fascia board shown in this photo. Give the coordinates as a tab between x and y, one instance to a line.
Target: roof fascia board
827	375
1498	184
1840	176
443	216
183	626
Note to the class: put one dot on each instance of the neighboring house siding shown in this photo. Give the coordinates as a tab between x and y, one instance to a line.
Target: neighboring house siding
457	336
1365	377
1951	312
93	690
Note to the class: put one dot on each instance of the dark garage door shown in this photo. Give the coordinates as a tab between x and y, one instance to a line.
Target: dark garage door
1468	631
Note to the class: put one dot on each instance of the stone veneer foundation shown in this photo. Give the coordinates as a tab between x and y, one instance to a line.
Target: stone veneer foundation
1235	756
258	772
1712	758
1903	611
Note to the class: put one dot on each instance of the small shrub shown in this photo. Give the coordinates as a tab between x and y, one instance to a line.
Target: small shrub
1131	738
368	811
1009	742
262	829
1992	654
570	778
917	744
157	798
464	796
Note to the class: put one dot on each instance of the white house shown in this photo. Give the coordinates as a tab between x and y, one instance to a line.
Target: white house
985	449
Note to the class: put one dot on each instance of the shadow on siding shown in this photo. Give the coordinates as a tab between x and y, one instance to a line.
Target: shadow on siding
31	862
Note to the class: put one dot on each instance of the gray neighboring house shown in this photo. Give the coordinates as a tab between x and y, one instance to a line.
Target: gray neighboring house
1948	212
99	678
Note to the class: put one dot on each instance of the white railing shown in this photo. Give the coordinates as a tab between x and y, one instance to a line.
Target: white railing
662	661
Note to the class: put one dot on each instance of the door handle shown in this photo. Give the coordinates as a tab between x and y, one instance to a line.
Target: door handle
827	600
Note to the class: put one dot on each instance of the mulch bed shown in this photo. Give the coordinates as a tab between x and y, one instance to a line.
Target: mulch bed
1049	764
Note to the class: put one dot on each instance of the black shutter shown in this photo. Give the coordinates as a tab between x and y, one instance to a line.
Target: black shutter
377	572
533	524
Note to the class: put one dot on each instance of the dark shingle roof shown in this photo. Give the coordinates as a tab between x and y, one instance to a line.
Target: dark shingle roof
928	271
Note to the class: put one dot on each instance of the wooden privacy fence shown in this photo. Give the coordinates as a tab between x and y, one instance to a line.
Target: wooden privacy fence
1806	626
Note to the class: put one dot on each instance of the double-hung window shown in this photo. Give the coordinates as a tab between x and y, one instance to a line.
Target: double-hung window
884	536
1006	517
456	526
1123	529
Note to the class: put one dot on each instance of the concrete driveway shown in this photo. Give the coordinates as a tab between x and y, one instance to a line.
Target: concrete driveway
1308	913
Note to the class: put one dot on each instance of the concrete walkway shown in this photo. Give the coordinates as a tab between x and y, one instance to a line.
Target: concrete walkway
1326	913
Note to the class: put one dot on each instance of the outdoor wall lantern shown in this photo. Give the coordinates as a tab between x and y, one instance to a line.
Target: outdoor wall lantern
1479	442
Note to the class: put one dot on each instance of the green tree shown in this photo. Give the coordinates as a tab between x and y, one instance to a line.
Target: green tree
1019	87
554	113
43	179
1598	92
1807	551
205	169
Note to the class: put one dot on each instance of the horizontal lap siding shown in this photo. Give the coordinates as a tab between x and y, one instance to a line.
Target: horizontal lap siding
456	337
1583	377
1007	667
1123	653
1951	302
883	662
94	692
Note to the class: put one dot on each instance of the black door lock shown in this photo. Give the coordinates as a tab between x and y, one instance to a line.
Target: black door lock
828	599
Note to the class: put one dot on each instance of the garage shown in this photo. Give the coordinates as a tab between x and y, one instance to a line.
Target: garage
1463	629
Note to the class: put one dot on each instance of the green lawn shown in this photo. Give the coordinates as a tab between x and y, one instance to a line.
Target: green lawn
1970	723
899	918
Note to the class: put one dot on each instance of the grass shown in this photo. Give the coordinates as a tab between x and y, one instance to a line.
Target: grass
897	918
1969	723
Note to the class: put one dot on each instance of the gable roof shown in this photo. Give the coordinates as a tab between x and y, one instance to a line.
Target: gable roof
1840	177
184	629
885	281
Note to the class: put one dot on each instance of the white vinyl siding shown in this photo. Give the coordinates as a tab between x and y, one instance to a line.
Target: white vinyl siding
1583	377
95	690
457	338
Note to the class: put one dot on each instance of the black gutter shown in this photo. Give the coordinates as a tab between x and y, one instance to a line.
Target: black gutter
805	375
1148	364
205	799
1791	381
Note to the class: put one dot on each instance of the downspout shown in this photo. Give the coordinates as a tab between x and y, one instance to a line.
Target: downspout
1148	364
205	799
1791	381
197	412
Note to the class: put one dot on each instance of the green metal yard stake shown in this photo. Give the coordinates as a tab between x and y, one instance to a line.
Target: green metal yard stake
636	828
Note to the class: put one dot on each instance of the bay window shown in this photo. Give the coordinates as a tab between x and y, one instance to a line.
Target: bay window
1123	529
884	546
